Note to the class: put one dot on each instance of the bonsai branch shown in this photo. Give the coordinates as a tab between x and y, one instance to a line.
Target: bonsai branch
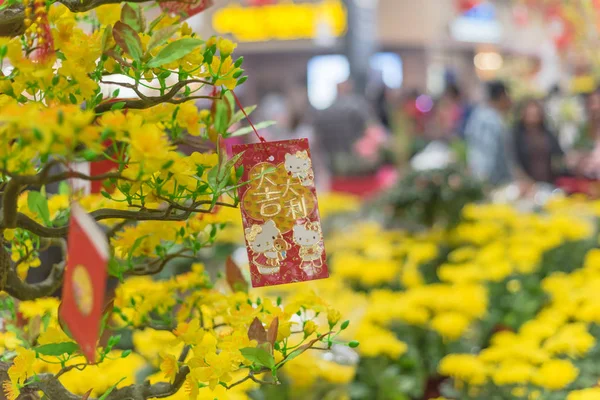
12	18
146	101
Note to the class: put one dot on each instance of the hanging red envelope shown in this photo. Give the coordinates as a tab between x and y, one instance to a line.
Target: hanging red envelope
280	213
85	281
185	8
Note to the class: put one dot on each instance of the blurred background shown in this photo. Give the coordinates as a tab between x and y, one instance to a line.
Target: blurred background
376	82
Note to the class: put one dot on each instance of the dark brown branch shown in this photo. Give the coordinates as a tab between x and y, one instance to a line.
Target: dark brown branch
25	222
147	102
12	18
9	204
29	291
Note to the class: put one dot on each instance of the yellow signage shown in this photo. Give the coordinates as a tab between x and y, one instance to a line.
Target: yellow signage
281	21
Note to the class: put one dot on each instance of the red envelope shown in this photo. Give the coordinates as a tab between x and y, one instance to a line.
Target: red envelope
85	281
185	8
280	213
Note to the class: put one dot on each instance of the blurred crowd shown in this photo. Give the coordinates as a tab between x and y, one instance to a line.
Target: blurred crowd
362	142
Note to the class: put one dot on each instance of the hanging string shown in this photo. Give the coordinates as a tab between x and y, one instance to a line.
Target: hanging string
237	101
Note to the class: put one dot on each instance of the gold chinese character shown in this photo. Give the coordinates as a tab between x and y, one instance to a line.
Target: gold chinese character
264	177
270	209
296	207
289	188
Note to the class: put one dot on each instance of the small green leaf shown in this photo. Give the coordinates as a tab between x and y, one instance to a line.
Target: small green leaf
116	92
353	344
239	171
344	325
57	349
118	105
137	243
63	188
105	194
258	356
241	81
3	51
105	37
238	73
238	63
110	389
239	115
248	129
220	116
125	353
161	36
174	51
72	98
38	204
212	177
133	17
128	39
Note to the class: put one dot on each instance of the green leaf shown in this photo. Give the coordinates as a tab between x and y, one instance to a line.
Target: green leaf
241	81
63	188
221	116
135	245
238	63
57	349
38	203
118	105
133	17
161	36
110	389
174	51
212	177
344	325
353	344
72	98
128	39
114	269
248	129
105	37
239	115
258	356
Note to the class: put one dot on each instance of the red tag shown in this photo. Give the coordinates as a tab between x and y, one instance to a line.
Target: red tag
85	281
280	213
185	8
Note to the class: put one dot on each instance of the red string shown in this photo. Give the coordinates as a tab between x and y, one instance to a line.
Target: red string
237	101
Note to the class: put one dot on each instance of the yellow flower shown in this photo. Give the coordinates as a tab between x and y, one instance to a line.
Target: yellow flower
226	47
333	316
464	367
512	373
11	391
224	69
585	394
555	374
22	365
379	341
450	325
53	335
309	327
189	333
169	366
189	118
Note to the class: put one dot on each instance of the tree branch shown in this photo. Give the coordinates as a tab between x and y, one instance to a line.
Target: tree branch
12	18
29	291
147	102
25	222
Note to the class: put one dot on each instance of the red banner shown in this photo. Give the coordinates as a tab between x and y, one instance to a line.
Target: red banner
280	213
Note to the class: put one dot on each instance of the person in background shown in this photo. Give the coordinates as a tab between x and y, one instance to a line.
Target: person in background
351	137
537	149
585	156
489	154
